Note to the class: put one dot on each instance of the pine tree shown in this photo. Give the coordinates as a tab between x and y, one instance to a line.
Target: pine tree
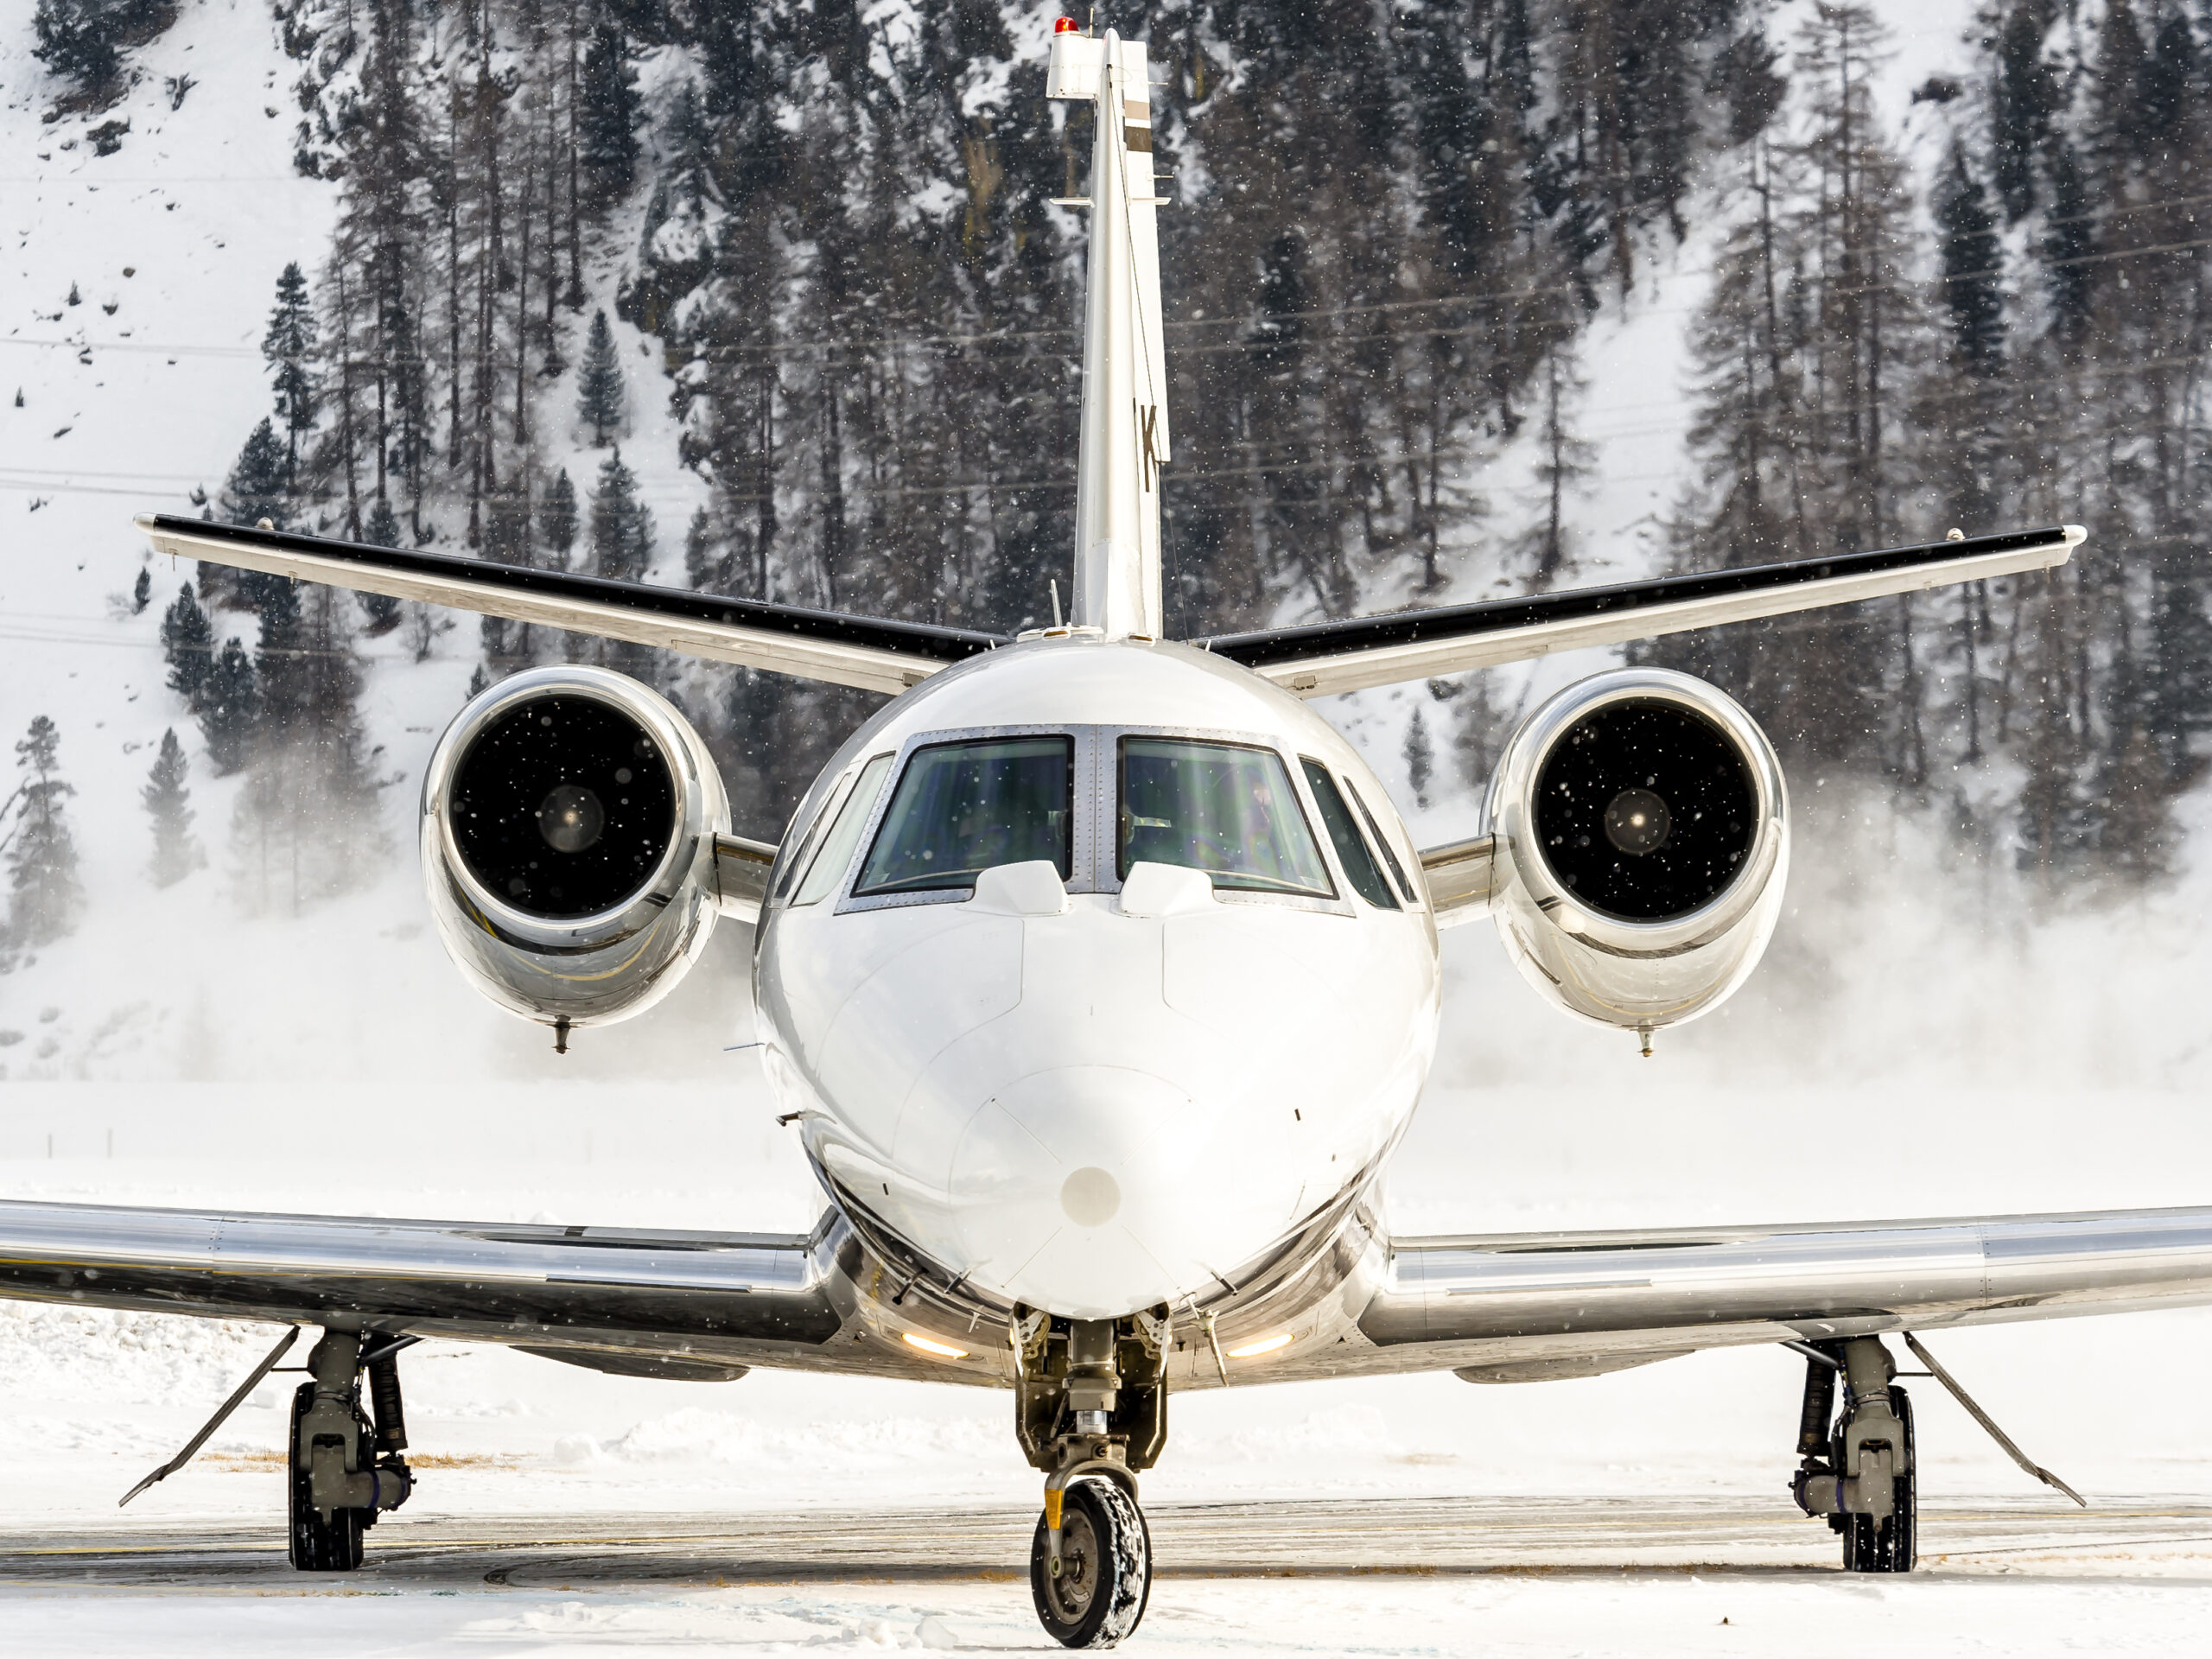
1421	757
141	591
598	383
2024	97
228	709
1972	277
621	528
288	347
260	482
381	610
259	488
280	665
706	554
78	39
2178	705
608	112
557	518
188	646
42	854
2068	243
176	853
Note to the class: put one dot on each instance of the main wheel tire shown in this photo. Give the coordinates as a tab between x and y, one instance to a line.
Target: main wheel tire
1105	1577
317	1546
1890	1546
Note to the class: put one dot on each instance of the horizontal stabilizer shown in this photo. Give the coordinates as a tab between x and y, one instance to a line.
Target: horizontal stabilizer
1327	657
781	639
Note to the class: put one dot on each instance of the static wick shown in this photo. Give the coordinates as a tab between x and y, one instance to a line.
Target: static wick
561	1035
1055	585
1643	1039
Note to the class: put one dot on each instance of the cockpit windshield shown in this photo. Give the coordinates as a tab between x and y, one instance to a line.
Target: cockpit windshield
1220	808
964	808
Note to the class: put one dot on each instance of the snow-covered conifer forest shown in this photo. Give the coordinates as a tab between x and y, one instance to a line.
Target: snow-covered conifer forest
772	299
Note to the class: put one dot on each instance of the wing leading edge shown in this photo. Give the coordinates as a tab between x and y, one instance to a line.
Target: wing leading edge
860	652
627	1298
1327	657
1530	1307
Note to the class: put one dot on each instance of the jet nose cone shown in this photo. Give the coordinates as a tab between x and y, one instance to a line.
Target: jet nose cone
1093	1190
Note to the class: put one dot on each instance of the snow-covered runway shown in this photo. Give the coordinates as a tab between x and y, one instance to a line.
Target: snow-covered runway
1371	1576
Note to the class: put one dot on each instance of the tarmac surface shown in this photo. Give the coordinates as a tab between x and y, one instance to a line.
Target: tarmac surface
1325	1538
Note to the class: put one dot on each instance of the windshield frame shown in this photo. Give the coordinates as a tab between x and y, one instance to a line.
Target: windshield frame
1097	805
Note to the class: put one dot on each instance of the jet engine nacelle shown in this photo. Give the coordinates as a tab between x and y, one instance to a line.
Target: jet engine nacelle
1642	845
569	825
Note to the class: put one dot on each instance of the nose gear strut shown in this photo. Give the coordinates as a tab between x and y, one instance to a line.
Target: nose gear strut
1091	1412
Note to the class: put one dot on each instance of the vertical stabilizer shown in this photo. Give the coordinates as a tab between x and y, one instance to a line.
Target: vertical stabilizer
1117	585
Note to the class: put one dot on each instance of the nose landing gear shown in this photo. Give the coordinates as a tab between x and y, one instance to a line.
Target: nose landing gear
1091	1411
1860	1473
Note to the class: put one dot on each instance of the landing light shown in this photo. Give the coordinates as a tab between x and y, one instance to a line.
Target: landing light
1254	1349
945	1349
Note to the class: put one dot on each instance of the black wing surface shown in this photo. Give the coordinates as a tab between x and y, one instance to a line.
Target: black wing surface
854	651
1323	659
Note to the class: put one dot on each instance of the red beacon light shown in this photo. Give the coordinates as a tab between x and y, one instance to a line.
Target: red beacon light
1066	26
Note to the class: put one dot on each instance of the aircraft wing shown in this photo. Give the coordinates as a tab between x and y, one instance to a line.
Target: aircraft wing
1530	1307
1325	658
654	1302
814	644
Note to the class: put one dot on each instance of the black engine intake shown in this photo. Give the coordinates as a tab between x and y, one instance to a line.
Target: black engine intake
1645	809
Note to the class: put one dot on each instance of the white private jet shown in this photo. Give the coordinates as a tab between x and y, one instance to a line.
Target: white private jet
1100	979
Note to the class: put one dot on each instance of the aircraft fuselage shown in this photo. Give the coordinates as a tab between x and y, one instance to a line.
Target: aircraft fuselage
1103	1080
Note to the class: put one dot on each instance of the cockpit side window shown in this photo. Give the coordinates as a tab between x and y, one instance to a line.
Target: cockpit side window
964	808
1222	808
1382	843
1360	867
837	847
811	835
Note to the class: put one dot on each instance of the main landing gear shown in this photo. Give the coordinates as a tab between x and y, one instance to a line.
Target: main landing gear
1091	1411
345	1468
1858	1470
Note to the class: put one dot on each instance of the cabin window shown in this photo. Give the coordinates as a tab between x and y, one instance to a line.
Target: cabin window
1222	808
836	848
964	808
1360	867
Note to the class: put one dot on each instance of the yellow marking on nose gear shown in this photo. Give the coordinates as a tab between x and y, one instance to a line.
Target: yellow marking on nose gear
1052	1510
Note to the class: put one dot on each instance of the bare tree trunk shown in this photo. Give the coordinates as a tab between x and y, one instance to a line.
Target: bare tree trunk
346	399
576	216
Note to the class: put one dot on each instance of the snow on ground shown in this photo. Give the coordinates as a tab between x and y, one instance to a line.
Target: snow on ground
1651	1616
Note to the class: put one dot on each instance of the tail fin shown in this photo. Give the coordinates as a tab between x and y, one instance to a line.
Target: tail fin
1117	585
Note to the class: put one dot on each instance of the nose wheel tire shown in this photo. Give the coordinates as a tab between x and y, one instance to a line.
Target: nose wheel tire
317	1545
1891	1545
1105	1567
